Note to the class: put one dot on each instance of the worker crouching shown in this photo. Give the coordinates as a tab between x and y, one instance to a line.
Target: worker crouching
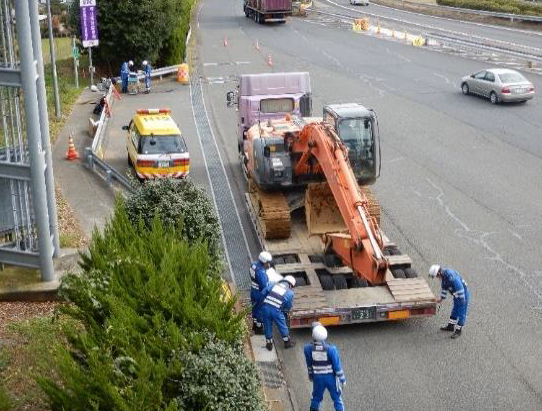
278	301
325	370
452	282
259	281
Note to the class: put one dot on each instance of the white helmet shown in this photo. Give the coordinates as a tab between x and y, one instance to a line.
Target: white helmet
130	63
290	280
145	63
434	270
319	333
272	275
265	257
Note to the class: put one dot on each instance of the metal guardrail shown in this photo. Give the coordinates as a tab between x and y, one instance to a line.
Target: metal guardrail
92	161
510	16
163	71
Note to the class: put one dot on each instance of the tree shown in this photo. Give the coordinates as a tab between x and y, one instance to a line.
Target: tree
131	29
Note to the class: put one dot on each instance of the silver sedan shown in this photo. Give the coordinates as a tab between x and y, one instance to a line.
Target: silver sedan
499	85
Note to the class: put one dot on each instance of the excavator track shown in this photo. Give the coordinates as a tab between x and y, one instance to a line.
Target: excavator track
372	203
272	210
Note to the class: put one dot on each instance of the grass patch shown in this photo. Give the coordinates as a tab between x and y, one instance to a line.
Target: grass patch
502	6
63	49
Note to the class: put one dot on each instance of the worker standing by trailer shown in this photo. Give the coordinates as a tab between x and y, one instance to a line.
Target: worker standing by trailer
453	283
325	370
259	280
147	73
278	301
124	72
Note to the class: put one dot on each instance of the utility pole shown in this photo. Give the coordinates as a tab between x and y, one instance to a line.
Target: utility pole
53	59
75	62
90	68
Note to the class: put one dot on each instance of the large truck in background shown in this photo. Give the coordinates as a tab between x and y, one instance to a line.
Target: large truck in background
267	11
263	97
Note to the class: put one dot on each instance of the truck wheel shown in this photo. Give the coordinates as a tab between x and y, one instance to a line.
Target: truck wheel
340	282
395	251
300	282
326	281
358	282
410	273
398	273
332	260
247	14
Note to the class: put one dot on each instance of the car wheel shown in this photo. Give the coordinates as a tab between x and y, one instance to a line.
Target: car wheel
493	98
130	161
465	89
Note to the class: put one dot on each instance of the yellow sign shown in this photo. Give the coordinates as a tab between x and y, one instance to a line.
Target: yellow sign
398	315
418	41
360	25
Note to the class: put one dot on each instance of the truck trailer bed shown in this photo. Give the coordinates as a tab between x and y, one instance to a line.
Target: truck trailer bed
302	257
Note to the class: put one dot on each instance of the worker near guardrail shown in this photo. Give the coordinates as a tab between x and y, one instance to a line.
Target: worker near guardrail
147	73
452	282
124	73
278	301
258	282
325	370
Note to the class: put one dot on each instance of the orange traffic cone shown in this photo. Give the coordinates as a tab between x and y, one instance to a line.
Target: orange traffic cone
257	45
225	42
269	61
71	154
378	26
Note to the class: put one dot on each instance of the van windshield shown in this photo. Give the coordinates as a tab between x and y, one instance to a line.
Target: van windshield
162	144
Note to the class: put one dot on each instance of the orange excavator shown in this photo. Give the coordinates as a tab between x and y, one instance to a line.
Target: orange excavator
341	150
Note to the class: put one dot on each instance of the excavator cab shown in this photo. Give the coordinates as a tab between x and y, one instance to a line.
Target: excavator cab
357	127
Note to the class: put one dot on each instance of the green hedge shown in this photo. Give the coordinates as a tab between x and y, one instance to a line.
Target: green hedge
502	6
174	50
155	331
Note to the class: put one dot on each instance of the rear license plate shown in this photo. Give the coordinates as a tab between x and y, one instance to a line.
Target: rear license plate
520	90
398	315
365	313
163	164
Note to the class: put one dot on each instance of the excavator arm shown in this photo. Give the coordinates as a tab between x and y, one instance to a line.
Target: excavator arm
362	249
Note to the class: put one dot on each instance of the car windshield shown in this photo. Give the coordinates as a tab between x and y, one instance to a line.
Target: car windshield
161	144
512	78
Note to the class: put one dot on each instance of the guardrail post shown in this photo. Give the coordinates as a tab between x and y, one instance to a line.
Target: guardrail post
109	177
89	163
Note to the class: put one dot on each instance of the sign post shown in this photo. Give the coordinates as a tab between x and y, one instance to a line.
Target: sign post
89	30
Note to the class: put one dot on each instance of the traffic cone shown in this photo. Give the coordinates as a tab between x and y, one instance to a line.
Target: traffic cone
269	61
393	33
225	42
257	45
378	26
71	154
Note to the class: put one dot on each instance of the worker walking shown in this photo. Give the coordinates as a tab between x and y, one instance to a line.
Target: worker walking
124	73
278	301
147	72
258	282
452	282
325	370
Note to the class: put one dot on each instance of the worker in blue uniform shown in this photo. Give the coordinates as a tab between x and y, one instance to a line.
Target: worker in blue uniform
278	301
452	283
325	370
258	282
147	73
124	73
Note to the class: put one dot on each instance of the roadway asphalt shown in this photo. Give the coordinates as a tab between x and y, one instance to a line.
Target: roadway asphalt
506	34
460	186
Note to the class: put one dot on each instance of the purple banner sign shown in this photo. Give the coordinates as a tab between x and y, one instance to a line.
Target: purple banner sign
89	27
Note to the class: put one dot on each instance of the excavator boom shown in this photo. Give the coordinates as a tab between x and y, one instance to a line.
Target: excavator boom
362	249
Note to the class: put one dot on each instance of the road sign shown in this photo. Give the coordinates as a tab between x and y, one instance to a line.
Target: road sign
89	26
75	53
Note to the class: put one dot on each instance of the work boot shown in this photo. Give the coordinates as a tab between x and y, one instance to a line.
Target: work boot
269	345
456	334
289	343
257	328
449	327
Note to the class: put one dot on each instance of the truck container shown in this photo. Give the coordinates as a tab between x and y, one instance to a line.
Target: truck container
267	11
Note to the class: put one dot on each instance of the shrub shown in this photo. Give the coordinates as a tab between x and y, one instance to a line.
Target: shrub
174	50
502	6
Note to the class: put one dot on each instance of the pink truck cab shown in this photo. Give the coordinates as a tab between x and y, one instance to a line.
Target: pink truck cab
261	97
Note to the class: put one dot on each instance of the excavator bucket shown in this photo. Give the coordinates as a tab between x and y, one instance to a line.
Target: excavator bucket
321	211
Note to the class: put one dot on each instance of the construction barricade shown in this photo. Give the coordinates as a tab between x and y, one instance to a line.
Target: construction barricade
182	74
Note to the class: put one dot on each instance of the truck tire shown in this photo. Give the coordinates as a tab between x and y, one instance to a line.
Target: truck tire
410	272
398	273
358	282
300	282
326	281
340	282
332	260
395	251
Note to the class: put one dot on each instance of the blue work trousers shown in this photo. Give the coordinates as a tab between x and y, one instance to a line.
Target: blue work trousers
257	313
270	315
459	311
147	81
319	385
125	84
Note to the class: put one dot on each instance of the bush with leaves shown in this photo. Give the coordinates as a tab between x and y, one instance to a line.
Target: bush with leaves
502	6
147	310
178	202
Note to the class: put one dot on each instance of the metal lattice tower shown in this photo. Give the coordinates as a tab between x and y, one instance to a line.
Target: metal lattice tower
28	221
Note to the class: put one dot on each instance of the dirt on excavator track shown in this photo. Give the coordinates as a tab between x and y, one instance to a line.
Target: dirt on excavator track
272	210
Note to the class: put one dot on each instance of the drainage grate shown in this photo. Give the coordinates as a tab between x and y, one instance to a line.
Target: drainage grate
272	377
233	236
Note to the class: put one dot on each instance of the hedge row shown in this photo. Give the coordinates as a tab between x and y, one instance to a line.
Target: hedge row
155	331
502	6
